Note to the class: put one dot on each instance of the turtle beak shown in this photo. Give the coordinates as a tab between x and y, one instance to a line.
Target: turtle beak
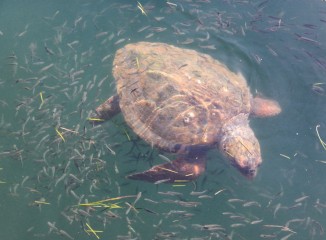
247	166
249	173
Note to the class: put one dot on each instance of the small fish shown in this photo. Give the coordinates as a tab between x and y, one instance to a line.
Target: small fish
171	193
232	200
131	206
208	227
197	193
77	21
158	29
143	28
48	50
46	68
106	57
22	33
287	236
60	179
52	227
162	181
101	34
285	156
171	4
272	51
150	211
318	88
235	225
256	221
219	191
277	208
306	39
252	203
205	196
182	203
268	235
149	35
150	200
211	47
120	41
283	228
187	41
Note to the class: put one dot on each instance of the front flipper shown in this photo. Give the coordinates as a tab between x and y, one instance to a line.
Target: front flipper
262	107
106	110
181	169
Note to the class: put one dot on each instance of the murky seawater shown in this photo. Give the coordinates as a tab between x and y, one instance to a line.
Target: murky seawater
55	68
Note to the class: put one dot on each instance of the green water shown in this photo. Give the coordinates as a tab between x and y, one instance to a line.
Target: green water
55	68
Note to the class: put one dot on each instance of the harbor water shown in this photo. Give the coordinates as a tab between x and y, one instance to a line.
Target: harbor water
63	178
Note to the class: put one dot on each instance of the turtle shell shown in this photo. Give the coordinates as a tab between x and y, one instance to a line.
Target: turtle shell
173	97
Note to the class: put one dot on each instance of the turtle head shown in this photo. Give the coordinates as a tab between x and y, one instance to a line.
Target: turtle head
240	146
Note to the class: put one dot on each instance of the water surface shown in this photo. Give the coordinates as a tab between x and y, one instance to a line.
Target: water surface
56	60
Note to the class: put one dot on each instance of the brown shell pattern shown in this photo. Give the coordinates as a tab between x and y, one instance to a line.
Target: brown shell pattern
172	96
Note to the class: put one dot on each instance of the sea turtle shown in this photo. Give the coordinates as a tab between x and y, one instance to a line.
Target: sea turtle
185	102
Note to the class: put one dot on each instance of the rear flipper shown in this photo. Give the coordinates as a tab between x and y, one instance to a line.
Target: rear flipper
181	169
106	110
